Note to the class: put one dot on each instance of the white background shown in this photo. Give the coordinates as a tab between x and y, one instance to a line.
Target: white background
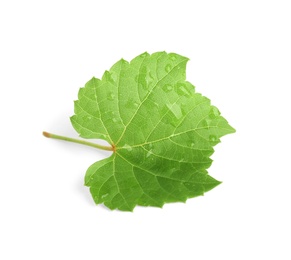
239	57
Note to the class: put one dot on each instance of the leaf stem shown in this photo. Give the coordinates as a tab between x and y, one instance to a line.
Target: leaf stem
68	139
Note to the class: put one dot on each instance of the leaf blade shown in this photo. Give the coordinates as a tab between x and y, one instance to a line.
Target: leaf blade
162	131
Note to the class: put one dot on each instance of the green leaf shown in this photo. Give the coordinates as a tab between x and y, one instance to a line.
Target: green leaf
161	131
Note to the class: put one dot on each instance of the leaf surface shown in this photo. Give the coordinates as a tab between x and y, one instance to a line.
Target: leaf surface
162	131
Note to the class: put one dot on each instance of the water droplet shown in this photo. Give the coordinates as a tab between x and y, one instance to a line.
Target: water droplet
127	147
151	76
167	88
176	110
143	84
206	123
149	153
173	56
142	79
214	112
192	145
87	118
182	90
213	138
104	195
143	55
148	146
110	96
168	68
108	76
149	79
115	120
131	103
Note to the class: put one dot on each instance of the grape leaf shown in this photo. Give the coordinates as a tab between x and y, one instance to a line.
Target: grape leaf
161	131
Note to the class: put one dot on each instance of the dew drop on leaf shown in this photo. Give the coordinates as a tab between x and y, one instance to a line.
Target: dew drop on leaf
176	110
110	96
148	147
143	55
149	153
172	56
168	68
88	117
182	90
167	87
104	195
108	77
102	136
214	112
131	103
127	147
213	138
149	79
206	123
143	84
